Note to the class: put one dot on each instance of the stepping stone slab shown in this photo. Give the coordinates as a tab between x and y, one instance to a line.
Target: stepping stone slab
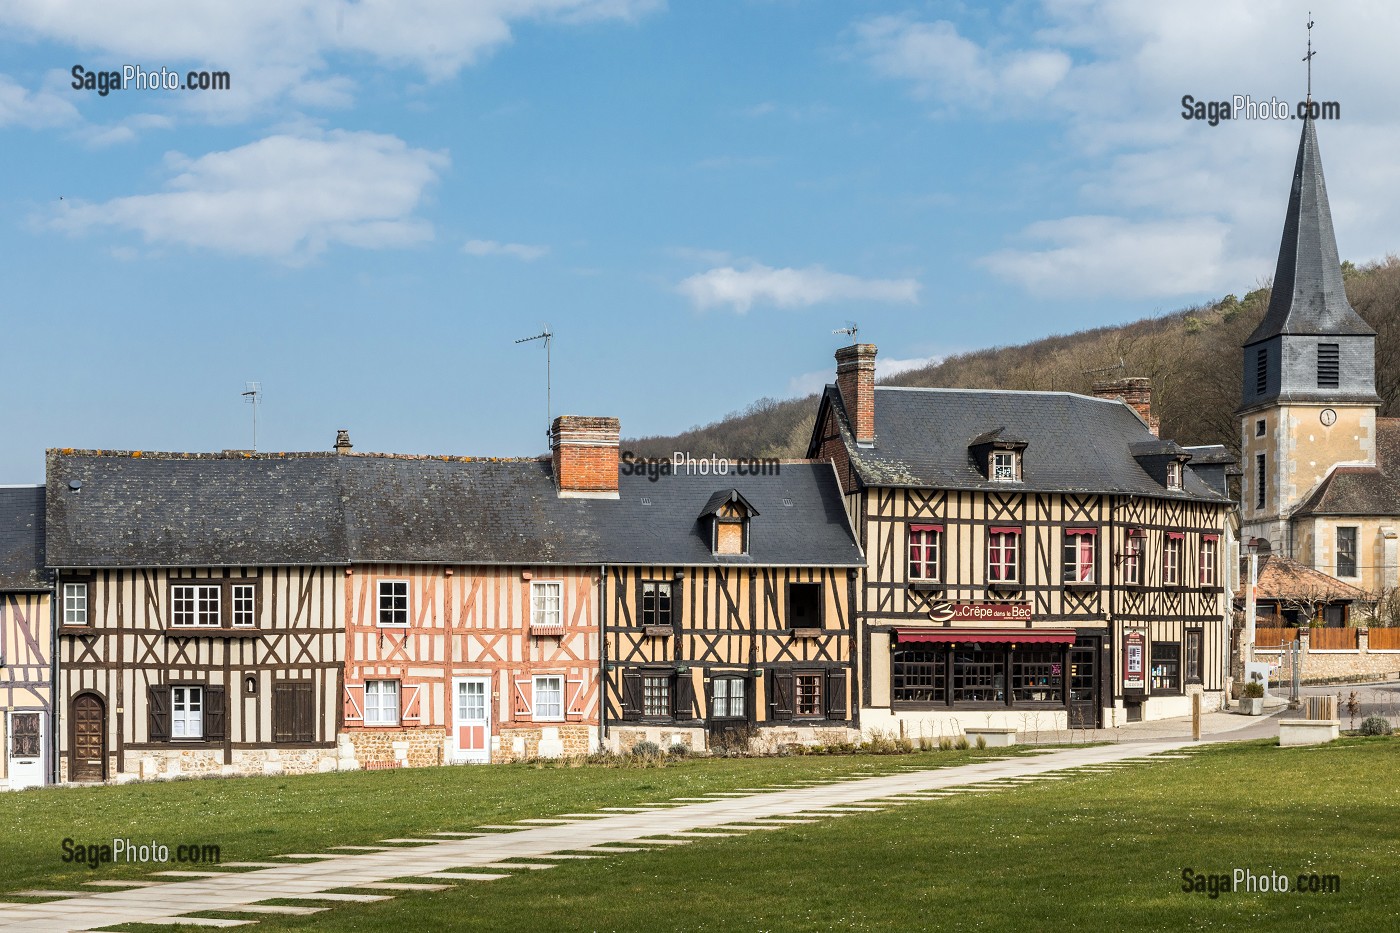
124	884
781	819
401	886
426	842
460	876
320	855
749	826
458	835
364	848
704	835
550	822
554	855
348	898
660	842
502	826
508	866
253	864
190	874
43	893
609	849
198	921
274	909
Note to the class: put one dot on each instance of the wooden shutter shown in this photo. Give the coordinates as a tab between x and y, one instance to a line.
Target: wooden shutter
836	695
215	714
779	695
709	709
304	726
685	697
158	712
631	696
293	713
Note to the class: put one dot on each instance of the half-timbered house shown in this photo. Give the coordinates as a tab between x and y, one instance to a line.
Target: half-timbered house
1034	559
729	606
26	642
201	626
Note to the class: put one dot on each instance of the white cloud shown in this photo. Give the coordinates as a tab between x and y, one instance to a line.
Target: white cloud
813	382
35	109
276	48
1095	255
521	251
941	63
740	289
285	197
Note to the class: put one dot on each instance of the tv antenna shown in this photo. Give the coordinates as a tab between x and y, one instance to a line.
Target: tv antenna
1308	58
252	394
850	330
1119	366
548	337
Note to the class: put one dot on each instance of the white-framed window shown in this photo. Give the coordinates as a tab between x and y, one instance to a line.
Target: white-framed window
807	698
1171	559
549	697
1003	555
1132	558
1079	560
1174	474
729	699
1210	553
546	604
75	604
381	702
1004	466
925	542
244	605
195	605
656	696
393	602
187	712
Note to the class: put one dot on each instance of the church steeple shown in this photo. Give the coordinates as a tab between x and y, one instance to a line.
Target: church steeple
1310	331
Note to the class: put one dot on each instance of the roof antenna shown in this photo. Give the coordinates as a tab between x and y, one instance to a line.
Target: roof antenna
850	330
1120	366
547	336
252	393
1308	58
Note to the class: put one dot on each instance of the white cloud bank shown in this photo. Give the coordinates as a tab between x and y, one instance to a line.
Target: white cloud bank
522	251
741	289
286	197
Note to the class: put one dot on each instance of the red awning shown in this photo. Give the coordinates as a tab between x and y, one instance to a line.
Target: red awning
986	636
925	527
1081	531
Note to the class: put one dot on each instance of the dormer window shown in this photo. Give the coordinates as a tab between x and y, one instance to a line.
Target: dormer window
728	514
1174	474
1004	466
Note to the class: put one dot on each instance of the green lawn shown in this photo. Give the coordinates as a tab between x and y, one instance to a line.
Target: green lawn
1093	852
254	818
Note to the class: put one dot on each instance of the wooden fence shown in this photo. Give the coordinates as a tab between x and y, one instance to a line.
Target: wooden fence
1332	639
1385	639
1269	637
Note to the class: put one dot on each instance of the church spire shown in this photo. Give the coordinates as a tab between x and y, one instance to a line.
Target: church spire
1308	296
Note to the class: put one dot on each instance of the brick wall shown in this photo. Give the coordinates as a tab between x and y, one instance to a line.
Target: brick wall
585	453
855	378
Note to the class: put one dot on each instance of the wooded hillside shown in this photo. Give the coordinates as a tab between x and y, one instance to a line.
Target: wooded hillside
1192	356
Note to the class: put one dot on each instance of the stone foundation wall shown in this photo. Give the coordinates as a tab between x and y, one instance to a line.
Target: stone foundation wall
1327	666
763	739
168	764
566	740
397	748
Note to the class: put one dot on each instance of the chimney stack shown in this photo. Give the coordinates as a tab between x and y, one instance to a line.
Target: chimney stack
585	456
342	442
1135	391
855	380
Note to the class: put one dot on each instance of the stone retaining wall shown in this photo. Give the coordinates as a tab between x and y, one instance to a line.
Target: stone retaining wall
1331	665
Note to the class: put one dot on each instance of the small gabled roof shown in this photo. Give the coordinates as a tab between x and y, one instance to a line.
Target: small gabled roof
1309	297
724	497
22	539
998	436
1283	578
1074	443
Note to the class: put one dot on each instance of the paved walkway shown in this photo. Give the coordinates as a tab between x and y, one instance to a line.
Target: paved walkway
494	852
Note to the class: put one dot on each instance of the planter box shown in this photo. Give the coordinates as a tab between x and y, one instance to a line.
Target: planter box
995	737
1308	731
1252	706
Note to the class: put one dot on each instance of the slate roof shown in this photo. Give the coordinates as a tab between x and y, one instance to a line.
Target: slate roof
22	538
1357	490
269	509
1308	295
1074	443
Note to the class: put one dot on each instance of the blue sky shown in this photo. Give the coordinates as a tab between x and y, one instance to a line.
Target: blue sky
691	194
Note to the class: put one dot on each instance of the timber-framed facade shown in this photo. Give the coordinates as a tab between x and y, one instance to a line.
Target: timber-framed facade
26	646
1036	561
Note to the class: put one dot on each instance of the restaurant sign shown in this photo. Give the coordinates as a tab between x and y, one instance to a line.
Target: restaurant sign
980	612
1134	659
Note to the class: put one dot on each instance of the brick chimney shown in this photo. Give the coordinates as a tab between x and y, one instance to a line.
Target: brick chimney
855	380
585	456
342	442
1135	391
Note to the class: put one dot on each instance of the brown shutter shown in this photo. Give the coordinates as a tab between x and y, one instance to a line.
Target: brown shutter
283	712
158	712
304	725
779	695
685	697
631	696
215	714
709	709
836	695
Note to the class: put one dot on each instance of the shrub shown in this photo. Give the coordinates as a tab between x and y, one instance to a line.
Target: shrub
962	744
981	741
1375	725
678	750
646	749
1254	690
945	743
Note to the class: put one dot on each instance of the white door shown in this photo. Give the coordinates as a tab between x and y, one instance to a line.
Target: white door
26	750
471	718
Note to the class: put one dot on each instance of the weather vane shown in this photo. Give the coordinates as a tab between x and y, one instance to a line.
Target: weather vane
1308	58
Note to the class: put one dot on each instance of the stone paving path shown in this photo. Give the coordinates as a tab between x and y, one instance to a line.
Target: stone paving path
461	858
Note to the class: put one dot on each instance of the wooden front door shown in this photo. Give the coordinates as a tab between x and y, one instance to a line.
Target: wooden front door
1084	683
89	719
471	721
26	751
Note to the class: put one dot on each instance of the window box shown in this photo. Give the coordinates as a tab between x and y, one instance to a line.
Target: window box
657	631
806	633
927	586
